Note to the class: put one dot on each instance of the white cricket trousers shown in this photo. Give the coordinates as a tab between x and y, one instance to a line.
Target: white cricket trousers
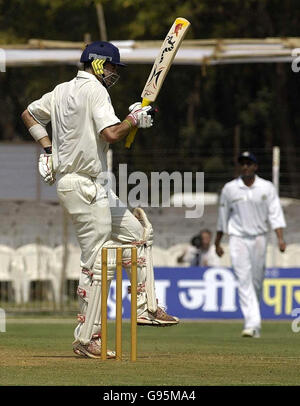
96	223
248	255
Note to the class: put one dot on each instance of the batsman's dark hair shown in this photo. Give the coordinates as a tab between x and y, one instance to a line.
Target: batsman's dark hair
87	65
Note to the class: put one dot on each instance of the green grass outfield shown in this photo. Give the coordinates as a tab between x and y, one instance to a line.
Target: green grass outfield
38	352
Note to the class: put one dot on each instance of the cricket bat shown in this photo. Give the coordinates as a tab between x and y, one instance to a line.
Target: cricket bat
161	66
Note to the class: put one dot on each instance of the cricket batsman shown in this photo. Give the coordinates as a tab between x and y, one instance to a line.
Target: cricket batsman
248	206
83	125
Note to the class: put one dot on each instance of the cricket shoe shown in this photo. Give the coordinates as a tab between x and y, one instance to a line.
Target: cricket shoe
159	319
251	332
92	349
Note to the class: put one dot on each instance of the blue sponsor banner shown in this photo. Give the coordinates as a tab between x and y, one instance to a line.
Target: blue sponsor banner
211	293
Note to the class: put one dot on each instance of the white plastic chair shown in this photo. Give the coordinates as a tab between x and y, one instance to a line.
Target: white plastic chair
274	258
37	263
174	252
160	256
7	270
73	269
290	258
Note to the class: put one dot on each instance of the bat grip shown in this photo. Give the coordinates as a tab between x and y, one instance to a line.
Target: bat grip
130	137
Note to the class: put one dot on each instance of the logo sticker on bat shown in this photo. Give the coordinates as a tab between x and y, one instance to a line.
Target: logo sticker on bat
177	29
155	76
167	49
170	42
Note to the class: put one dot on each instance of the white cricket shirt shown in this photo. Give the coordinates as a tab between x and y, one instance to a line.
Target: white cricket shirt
78	110
248	211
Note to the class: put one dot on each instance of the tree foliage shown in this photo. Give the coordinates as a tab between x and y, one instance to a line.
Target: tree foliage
198	112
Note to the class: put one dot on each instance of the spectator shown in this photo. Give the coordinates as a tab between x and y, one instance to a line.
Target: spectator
200	252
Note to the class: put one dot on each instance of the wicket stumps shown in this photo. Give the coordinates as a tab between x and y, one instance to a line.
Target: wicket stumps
104	295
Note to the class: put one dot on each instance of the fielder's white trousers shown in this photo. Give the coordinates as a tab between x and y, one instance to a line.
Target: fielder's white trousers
248	256
96	224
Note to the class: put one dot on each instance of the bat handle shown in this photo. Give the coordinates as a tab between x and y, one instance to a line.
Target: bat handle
130	137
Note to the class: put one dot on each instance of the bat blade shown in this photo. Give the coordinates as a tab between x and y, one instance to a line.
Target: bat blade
162	66
165	58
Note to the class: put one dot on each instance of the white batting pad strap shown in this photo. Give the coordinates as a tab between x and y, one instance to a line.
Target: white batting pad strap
81	292
140	262
38	132
81	317
139	243
140	288
148	229
87	272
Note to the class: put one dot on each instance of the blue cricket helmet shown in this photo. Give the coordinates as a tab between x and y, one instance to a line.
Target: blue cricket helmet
100	49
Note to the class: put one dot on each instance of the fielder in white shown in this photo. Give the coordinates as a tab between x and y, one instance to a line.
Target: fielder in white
248	205
83	125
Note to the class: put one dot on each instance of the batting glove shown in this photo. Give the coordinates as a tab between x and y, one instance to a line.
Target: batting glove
140	116
46	168
135	106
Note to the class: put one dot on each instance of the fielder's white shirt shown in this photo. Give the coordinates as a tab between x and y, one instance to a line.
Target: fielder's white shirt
248	211
78	110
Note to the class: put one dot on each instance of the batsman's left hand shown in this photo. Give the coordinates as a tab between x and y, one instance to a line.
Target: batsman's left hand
46	168
141	117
